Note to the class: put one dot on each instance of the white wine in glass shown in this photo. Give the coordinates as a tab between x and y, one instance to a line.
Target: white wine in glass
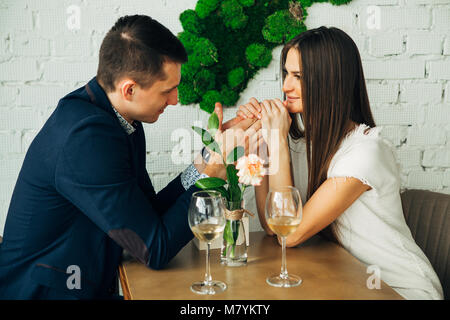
283	216
283	226
207	221
207	231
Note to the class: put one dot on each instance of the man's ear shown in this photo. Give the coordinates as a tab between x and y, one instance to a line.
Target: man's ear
127	89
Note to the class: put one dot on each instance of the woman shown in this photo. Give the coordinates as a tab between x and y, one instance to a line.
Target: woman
353	180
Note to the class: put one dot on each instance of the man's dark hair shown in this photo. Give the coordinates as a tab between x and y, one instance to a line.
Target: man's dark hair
137	46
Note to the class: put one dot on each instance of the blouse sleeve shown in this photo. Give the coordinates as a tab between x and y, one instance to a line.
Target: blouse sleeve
371	161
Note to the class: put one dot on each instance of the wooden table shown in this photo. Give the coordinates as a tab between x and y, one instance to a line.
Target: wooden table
328	272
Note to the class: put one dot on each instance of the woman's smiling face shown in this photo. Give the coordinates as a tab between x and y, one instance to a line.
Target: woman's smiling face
291	84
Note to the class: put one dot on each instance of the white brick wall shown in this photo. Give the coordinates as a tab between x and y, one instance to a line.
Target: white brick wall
439	69
426	136
20	70
394	69
421	93
386	44
406	63
424	42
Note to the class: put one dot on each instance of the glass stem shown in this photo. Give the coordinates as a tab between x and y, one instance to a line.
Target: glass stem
208	278
284	273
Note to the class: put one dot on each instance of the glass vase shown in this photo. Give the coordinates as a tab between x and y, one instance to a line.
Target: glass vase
234	244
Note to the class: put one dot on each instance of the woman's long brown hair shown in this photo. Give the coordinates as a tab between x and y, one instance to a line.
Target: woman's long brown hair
333	93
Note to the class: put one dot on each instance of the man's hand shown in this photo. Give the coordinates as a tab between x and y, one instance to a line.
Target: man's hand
230	123
236	132
233	133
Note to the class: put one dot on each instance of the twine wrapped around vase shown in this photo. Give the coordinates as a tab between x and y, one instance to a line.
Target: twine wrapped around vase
236	214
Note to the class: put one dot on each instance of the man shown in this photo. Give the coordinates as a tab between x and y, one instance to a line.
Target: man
83	193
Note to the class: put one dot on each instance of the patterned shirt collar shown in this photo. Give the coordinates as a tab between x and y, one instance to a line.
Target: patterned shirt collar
129	129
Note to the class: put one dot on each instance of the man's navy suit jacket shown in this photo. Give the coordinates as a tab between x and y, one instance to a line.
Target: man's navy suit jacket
82	196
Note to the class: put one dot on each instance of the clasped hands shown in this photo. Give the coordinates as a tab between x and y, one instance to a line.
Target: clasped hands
258	127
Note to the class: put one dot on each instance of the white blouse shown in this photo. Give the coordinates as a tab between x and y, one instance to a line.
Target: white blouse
373	229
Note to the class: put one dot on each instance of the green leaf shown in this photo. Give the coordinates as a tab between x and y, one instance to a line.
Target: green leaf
228	233
207	139
222	191
233	183
232	175
213	123
206	136
235	154
210	183
235	229
214	147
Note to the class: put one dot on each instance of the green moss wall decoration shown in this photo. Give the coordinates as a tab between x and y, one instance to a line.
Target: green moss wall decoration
228	41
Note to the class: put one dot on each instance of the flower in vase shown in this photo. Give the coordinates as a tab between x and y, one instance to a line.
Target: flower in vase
251	170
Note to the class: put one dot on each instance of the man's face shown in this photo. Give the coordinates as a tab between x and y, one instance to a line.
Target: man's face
146	105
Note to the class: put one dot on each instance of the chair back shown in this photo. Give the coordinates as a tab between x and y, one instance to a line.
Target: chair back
427	214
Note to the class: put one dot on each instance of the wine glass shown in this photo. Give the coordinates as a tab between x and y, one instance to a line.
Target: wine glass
283	215
207	221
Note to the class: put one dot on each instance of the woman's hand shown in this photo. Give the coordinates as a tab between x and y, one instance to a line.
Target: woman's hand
251	110
273	114
275	122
